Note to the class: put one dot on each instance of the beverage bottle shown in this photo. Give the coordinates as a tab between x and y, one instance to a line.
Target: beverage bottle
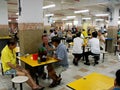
39	60
43	58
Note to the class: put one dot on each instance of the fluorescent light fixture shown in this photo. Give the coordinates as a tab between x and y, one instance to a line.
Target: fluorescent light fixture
17	19
68	23
99	19
47	15
86	18
17	13
101	15
9	20
118	22
70	17
64	19
81	11
48	6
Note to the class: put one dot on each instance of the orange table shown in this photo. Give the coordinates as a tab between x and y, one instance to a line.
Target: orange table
93	81
33	63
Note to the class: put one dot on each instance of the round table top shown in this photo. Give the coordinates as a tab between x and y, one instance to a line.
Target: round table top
19	79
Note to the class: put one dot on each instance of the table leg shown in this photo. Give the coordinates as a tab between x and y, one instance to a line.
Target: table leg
21	88
13	84
115	50
83	52
36	78
105	45
103	57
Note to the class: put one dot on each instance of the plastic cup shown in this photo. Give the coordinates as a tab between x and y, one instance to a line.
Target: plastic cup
35	56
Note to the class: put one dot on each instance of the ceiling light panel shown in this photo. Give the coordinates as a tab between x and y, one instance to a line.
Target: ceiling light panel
64	19
99	19
81	11
70	17
47	15
101	15
86	18
49	6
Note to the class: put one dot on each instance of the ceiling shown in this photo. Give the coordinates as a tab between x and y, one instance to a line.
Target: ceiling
67	7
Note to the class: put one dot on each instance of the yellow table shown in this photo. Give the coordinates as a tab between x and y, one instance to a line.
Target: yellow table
28	60
34	63
5	37
93	81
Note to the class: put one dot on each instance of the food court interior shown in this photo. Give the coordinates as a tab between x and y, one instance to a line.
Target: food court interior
28	20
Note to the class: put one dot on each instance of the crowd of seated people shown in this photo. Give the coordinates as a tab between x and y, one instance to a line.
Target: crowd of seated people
58	50
71	36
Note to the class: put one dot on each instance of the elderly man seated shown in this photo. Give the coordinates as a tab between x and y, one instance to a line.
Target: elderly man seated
94	49
8	57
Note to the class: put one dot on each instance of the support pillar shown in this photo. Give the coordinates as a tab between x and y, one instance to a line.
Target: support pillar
30	24
79	19
3	18
47	25
112	29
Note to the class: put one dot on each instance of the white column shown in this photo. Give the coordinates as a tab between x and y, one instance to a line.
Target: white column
3	12
46	21
79	21
115	15
112	29
32	11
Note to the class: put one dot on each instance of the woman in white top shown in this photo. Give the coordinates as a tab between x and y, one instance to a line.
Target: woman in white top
77	48
94	49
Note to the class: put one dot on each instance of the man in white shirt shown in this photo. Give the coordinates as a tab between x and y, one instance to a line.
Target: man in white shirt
52	34
94	49
77	48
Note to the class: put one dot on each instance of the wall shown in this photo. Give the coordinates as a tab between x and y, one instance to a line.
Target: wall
29	41
4	32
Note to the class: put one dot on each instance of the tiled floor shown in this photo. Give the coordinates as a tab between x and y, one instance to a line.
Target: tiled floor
108	68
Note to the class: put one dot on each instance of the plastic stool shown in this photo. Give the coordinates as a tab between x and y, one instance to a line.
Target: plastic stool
20	80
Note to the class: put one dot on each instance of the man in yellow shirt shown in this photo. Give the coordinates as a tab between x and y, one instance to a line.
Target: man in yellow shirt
8	57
